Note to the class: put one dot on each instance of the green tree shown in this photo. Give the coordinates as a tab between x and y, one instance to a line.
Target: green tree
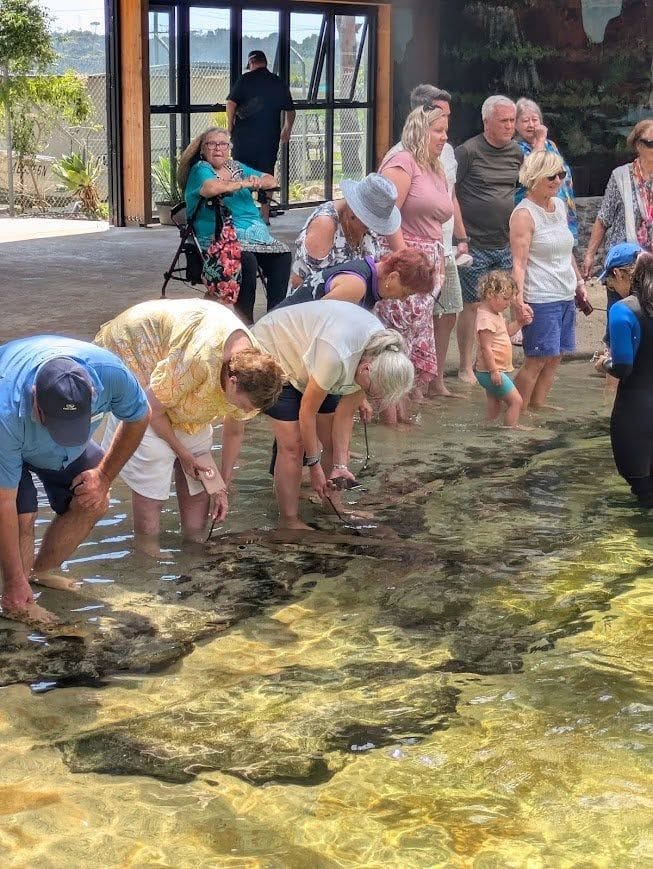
25	50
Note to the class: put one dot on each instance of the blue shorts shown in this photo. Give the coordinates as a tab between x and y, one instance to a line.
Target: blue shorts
56	483
485	379
286	407
484	261
553	330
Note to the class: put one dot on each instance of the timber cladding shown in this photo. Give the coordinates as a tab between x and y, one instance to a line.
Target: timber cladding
135	99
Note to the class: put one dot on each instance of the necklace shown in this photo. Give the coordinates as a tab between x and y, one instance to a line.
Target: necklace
346	231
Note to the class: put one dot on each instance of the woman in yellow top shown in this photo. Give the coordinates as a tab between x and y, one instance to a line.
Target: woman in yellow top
197	363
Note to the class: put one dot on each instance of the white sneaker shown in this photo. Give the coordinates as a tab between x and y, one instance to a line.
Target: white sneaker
464	260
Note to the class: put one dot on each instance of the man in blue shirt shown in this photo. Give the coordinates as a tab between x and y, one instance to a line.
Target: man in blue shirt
54	393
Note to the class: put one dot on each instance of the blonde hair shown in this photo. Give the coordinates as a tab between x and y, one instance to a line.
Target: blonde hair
538	165
391	371
497	283
415	136
637	132
193	152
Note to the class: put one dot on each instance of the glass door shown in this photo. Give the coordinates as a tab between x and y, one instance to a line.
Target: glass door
325	54
304	166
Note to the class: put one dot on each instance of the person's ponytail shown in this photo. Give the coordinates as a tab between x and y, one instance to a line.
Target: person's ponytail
391	371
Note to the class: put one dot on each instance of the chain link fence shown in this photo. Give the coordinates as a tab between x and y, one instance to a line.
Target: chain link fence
36	188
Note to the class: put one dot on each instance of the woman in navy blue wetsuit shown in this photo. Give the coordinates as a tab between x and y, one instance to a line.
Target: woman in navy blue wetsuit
631	361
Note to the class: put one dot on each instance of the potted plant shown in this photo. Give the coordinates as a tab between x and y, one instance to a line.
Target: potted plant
166	191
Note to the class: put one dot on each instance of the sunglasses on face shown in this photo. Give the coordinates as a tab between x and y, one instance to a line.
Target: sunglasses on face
559	175
647	143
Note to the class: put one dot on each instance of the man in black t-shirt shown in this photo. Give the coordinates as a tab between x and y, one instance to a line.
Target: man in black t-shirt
254	108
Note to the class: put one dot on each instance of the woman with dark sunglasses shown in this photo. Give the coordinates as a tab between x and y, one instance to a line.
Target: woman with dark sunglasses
626	213
546	274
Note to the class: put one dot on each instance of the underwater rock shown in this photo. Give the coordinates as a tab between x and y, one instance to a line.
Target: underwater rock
151	631
297	726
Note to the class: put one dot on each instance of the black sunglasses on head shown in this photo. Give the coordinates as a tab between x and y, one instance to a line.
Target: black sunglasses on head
647	143
561	175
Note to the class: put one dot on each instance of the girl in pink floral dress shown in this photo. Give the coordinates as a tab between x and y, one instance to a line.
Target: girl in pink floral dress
425	204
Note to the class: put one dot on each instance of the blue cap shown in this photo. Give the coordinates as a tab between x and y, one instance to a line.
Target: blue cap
64	394
623	254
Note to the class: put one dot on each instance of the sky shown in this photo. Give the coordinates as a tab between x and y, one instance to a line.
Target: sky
81	15
76	14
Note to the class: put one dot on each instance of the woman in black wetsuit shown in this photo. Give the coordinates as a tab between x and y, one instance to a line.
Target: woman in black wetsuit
365	282
631	361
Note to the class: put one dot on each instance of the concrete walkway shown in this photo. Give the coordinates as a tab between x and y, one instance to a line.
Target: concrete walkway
70	276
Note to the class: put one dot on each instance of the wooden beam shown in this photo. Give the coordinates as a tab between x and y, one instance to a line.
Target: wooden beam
135	99
383	101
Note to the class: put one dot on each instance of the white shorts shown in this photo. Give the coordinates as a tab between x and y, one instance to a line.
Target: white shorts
149	471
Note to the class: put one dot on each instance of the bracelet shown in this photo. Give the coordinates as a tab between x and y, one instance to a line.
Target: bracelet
311	461
462	240
340	467
580	283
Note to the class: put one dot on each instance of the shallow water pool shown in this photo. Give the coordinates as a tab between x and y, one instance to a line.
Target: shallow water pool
474	691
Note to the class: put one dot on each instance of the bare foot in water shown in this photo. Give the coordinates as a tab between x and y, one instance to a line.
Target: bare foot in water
294	524
34	616
417	395
544	407
519	427
467	376
439	390
53	579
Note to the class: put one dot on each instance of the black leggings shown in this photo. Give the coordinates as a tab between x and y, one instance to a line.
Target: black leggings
276	269
631	434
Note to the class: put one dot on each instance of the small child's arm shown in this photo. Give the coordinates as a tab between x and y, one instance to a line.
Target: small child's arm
524	318
484	337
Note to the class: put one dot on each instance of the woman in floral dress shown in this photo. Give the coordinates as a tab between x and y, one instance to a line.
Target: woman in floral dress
425	204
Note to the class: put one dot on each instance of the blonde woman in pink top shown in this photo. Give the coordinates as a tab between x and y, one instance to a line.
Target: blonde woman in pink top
425	204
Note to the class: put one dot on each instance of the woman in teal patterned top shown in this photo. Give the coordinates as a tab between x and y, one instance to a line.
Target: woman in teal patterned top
207	170
532	136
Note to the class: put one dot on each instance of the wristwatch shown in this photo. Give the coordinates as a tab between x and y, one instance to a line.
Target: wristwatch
462	240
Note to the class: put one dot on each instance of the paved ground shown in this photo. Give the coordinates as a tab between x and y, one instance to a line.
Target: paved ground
70	276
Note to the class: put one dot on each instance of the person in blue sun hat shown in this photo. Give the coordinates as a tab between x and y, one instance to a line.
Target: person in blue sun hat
617	273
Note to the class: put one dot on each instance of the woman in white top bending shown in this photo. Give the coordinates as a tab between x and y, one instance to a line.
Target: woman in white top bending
546	274
334	353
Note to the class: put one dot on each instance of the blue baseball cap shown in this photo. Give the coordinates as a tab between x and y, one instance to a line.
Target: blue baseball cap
64	395
623	254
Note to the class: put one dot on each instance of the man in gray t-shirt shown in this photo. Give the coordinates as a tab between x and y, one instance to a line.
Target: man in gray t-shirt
488	169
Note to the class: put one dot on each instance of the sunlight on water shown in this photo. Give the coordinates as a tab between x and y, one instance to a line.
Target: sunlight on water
475	693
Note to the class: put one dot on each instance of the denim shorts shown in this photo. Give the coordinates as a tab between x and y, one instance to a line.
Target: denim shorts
553	330
485	379
286	407
484	261
56	483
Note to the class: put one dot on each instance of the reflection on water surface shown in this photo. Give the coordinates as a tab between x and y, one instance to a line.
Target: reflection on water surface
473	693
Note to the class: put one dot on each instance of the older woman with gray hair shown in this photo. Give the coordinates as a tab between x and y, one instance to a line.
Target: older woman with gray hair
547	277
334	353
532	135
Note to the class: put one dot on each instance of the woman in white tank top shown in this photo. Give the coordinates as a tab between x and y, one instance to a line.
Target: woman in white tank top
546	274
